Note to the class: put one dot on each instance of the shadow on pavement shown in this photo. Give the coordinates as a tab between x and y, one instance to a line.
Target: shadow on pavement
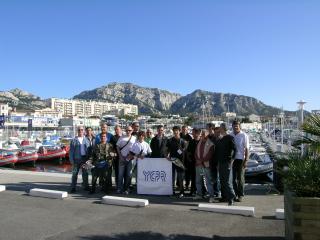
159	236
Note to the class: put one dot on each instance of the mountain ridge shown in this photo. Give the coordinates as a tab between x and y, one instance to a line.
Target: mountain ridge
154	100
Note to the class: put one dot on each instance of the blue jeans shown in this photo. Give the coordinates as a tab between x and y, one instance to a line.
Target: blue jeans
75	171
125	173
216	181
180	177
206	173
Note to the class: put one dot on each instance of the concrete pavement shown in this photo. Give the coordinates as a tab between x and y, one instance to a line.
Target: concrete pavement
81	216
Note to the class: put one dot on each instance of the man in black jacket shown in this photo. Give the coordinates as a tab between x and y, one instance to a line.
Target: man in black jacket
176	150
191	161
224	154
159	144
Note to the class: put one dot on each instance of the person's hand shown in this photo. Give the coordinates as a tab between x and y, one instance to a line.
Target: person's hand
244	164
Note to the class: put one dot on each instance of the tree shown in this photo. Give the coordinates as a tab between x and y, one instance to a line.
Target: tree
311	128
190	120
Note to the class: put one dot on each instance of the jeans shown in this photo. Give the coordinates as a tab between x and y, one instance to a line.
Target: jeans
75	171
216	181
225	173
116	169
238	177
206	173
180	177
100	173
125	173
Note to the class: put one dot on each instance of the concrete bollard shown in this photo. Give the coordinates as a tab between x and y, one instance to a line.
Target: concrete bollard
239	210
279	213
2	188
38	192
122	201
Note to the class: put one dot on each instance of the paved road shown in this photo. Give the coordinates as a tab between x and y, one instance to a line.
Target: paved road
82	217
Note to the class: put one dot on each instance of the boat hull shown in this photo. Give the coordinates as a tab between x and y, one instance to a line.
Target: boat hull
6	160
31	157
51	155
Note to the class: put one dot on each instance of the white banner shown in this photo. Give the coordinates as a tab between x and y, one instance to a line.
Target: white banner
154	176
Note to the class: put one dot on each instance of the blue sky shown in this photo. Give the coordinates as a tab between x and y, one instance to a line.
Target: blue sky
268	49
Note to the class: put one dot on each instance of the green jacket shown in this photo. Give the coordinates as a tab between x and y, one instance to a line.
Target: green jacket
103	152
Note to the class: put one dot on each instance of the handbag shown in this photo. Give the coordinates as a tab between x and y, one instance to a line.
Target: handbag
102	164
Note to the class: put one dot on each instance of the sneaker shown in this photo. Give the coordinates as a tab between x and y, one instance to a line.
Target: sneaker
197	197
73	190
181	195
126	192
239	199
212	200
230	202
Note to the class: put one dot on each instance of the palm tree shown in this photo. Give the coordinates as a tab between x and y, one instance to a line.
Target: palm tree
311	128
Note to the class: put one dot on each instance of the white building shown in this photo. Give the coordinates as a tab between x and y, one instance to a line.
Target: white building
254	118
83	108
47	112
4	109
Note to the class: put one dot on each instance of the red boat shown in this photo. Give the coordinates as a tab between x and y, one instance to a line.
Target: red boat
24	156
50	153
7	157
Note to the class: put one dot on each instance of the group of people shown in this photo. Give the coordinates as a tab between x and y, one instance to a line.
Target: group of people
208	163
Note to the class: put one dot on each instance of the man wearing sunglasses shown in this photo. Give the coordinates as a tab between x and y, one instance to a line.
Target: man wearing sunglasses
78	155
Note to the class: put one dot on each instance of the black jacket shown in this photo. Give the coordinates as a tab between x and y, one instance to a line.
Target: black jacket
159	149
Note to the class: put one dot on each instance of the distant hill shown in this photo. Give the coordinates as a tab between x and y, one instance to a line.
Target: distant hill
22	100
217	103
149	100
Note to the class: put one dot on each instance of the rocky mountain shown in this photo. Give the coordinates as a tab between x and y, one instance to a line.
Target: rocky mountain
149	100
22	100
153	100
217	103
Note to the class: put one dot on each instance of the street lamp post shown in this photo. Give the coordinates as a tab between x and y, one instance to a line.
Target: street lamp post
274	128
301	103
281	115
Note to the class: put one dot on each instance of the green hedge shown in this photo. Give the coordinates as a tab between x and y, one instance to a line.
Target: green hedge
303	175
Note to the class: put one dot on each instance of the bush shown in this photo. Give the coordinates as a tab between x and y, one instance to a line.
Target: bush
303	175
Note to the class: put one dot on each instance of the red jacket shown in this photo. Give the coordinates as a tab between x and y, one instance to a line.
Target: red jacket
204	152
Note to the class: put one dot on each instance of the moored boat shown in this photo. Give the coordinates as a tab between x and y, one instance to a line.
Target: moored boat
50	153
7	158
27	156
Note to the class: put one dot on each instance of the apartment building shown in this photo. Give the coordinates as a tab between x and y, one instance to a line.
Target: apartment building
83	108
